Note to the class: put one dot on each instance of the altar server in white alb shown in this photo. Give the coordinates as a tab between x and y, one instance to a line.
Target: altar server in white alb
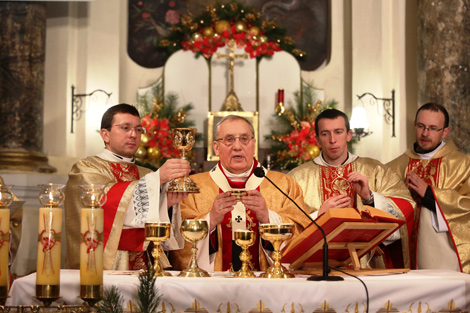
235	145
135	195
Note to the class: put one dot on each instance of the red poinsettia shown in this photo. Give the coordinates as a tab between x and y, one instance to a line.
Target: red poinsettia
298	140
160	136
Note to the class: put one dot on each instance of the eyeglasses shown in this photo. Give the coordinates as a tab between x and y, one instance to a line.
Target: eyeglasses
126	128
230	140
431	129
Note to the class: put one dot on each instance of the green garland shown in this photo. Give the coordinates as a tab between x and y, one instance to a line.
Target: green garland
220	23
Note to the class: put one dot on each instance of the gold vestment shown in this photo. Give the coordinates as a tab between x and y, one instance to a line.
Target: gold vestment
94	170
382	180
448	173
198	205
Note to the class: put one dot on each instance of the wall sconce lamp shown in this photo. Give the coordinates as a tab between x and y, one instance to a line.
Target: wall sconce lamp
77	103
359	121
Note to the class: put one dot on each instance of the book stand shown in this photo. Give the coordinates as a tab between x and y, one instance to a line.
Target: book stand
350	234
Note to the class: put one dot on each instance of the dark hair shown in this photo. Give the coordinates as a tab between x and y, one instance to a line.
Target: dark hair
108	116
331	114
434	107
230	118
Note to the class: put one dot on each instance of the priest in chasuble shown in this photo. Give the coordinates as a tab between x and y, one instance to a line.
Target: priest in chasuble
135	195
235	146
339	179
438	176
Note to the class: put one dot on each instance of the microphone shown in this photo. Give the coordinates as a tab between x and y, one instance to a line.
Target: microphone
259	172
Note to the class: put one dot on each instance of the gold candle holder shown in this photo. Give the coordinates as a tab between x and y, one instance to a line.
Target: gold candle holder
244	239
238	193
183	140
194	231
158	232
49	243
276	234
91	245
6	197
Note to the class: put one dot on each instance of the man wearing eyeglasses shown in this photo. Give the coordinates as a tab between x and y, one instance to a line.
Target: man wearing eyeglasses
235	146
438	176
135	194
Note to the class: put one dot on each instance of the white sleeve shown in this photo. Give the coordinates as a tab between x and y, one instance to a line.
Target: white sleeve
383	203
438	221
148	203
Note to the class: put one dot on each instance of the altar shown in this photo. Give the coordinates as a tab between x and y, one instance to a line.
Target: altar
415	291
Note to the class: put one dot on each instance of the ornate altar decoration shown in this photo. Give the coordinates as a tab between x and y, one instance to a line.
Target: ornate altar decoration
156	145
224	35
220	24
292	140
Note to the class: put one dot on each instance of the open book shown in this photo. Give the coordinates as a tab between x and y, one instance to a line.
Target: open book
350	234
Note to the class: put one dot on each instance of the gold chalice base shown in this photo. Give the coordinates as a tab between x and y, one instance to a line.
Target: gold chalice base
183	184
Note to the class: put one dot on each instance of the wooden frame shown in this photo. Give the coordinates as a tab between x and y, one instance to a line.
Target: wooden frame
212	120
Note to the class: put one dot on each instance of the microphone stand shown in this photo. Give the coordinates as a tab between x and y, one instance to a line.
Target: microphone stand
325	266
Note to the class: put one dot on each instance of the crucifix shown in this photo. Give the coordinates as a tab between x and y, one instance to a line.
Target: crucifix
231	102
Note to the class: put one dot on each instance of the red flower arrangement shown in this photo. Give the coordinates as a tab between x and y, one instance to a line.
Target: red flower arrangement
255	45
298	141
160	136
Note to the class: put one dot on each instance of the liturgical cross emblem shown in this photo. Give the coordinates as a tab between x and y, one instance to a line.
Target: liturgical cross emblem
238	219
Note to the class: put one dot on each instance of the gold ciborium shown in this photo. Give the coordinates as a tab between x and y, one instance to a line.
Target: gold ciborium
276	234
238	193
183	140
194	231
158	232
244	239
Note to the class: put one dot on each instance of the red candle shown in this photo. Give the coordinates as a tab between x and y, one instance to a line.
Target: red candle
280	96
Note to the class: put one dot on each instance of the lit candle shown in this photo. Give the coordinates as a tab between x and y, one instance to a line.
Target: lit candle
91	247
280	96
49	246
5	199
4	246
91	244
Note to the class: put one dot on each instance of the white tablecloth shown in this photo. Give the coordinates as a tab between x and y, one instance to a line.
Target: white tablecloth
433	290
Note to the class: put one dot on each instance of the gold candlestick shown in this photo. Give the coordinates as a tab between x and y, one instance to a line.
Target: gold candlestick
91	245
158	232
276	234
244	239
49	243
183	140
194	231
6	198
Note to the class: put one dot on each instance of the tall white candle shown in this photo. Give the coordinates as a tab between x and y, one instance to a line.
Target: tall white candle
91	247
4	245
49	246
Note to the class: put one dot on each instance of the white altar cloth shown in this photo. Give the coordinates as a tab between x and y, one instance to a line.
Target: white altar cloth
416	291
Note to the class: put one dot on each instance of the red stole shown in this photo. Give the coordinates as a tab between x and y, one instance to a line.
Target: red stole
427	170
226	226
131	239
334	182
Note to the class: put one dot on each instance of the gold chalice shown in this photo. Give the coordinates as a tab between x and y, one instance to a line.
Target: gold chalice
276	234
193	231
244	239
238	193
183	140
158	232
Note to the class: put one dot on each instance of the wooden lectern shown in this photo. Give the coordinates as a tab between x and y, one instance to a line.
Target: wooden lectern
350	234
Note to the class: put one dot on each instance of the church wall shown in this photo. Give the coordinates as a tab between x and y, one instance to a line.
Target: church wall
87	47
